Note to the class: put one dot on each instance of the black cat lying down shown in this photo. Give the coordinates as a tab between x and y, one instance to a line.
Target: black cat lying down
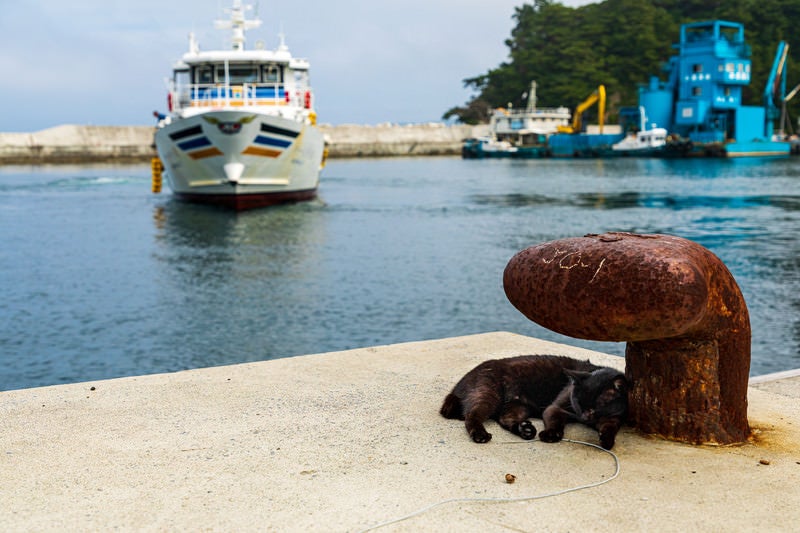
554	388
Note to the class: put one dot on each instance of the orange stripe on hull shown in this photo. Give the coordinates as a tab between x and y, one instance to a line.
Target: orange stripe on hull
208	152
266	152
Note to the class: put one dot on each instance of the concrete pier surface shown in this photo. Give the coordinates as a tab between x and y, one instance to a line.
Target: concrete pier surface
351	440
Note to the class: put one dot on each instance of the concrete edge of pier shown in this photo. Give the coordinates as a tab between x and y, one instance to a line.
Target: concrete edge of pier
351	440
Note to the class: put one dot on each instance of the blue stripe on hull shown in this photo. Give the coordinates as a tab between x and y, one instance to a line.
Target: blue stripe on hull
269	141
279	131
194	143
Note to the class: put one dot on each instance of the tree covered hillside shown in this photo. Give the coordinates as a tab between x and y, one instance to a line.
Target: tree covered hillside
620	44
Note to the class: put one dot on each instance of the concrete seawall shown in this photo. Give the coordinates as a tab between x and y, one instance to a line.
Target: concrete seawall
74	144
350	140
78	144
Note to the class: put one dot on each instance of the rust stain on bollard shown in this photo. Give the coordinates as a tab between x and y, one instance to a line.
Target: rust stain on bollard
675	304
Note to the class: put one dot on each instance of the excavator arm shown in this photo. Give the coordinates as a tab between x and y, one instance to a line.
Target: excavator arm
598	96
775	90
775	96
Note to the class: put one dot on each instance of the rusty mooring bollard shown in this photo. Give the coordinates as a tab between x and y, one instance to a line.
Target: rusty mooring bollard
675	304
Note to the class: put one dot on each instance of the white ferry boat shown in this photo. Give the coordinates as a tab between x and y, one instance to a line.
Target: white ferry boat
241	129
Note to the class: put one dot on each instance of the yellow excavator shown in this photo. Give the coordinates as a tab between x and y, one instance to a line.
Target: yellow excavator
598	96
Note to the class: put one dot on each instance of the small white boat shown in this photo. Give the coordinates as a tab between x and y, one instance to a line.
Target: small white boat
481	147
643	142
241	129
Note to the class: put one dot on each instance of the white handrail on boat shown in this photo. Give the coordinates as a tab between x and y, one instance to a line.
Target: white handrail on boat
245	94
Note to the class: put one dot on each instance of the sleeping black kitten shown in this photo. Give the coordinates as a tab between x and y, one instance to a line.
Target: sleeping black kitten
554	388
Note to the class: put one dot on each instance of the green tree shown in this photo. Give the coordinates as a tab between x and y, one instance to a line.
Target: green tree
620	44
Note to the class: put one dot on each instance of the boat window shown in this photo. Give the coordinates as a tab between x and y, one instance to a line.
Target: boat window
238	73
301	78
697	91
697	68
204	74
730	34
182	77
272	74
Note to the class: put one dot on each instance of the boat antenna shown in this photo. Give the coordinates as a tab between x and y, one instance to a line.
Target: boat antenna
282	37
194	46
238	24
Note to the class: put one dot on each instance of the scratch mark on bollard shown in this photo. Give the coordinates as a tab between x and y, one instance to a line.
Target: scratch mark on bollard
555	254
596	272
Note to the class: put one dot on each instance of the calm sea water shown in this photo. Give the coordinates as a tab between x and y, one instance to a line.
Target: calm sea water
101	279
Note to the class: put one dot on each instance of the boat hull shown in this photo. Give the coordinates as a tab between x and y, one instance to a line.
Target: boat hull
758	149
241	159
640	152
243	202
582	144
730	149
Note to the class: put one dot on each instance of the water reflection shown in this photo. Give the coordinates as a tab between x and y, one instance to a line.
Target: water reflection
516	200
232	279
202	237
632	199
706	168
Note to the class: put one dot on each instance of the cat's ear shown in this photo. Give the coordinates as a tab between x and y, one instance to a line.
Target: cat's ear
576	376
620	383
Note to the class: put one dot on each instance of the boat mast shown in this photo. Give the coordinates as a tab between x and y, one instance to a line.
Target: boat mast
238	23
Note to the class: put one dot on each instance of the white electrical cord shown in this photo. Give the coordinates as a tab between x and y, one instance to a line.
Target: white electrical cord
511	500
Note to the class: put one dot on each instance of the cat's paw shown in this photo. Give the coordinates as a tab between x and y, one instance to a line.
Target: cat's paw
526	430
551	435
480	436
607	438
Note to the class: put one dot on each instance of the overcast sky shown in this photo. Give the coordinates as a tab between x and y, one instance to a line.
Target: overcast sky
104	62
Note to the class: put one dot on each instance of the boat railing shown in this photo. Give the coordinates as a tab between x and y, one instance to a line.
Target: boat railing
240	95
520	112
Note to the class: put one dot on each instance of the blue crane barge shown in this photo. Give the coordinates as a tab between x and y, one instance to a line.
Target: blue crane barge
700	104
697	111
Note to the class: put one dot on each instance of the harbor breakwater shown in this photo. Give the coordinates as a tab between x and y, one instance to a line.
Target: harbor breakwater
77	144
